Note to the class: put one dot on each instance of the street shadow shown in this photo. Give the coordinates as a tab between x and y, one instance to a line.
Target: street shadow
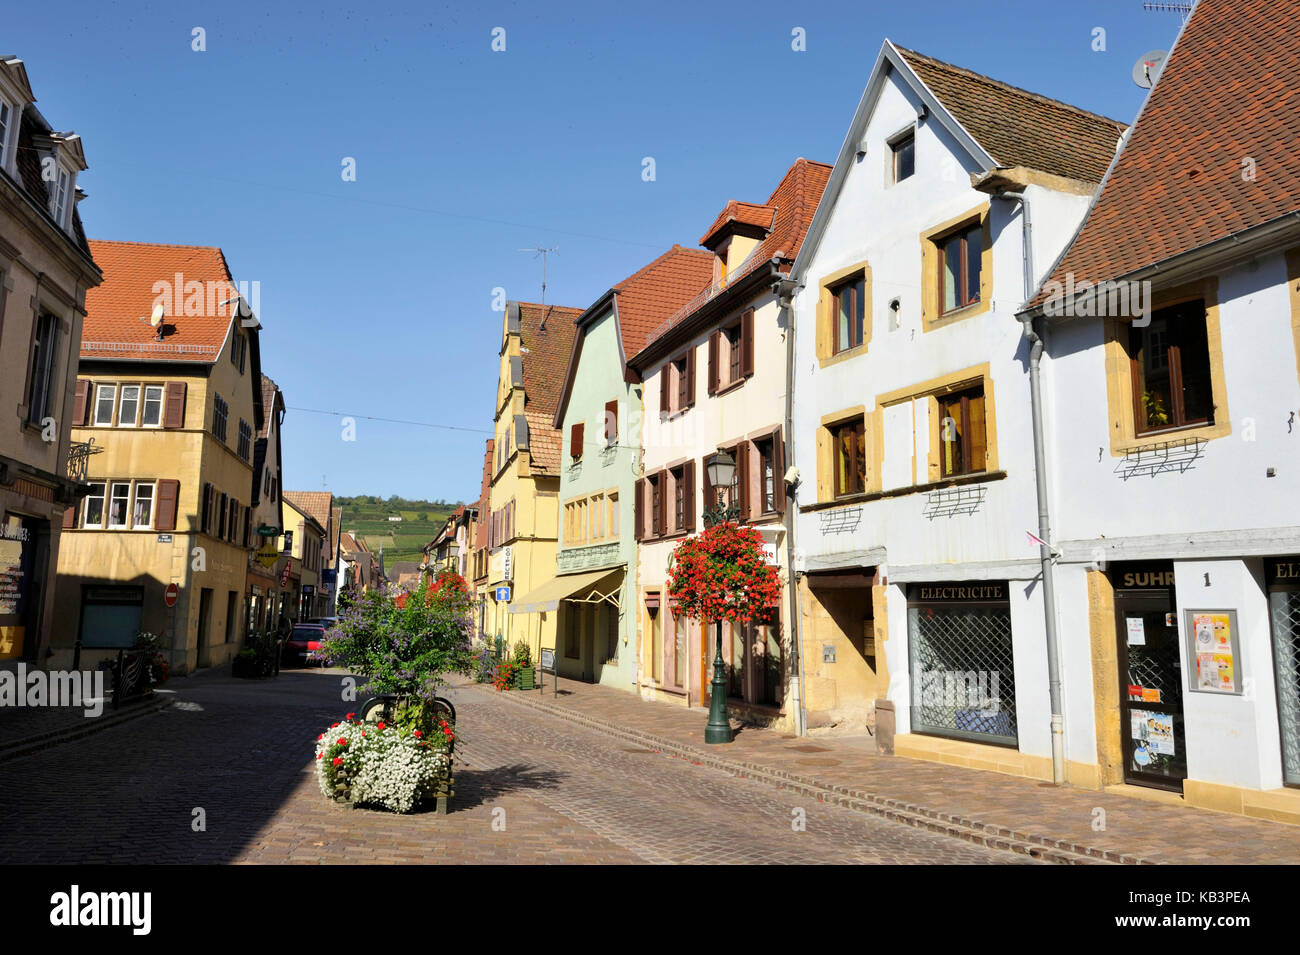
474	787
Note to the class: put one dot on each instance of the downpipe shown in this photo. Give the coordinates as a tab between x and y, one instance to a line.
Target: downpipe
1045	552
785	289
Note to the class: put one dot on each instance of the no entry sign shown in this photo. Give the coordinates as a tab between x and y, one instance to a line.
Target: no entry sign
171	594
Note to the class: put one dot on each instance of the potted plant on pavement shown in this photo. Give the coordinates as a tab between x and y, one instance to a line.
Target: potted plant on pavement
523	675
400	648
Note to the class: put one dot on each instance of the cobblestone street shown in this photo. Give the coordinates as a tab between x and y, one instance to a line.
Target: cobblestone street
557	792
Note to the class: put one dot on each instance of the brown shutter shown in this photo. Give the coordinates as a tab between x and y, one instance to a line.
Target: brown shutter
174	405
661	484
611	421
742	479
165	506
665	384
690	378
70	517
713	363
688	475
79	408
778	472
575	440
638	510
747	344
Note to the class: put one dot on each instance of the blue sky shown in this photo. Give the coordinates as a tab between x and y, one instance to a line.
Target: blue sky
376	294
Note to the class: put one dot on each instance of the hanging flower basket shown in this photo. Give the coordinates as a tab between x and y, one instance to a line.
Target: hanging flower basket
721	573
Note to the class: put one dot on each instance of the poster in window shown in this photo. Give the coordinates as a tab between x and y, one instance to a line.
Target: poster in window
1153	734
1214	645
1137	634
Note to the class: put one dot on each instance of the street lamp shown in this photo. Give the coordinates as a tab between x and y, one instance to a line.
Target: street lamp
721	472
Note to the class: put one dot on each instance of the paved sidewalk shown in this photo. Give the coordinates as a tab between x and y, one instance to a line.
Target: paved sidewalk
25	729
934	795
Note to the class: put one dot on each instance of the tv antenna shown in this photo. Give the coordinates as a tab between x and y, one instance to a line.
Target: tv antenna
1161	5
538	250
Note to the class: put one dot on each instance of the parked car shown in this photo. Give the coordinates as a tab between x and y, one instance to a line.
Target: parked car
304	638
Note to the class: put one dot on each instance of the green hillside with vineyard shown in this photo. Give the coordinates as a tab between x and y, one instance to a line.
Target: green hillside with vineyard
368	516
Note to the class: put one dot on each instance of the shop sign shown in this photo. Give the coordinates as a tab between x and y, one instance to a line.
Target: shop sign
284	574
268	555
1282	570
309	590
265	530
1148	577
961	593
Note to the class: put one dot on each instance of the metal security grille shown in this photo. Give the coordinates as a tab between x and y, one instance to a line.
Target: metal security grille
1286	652
963	681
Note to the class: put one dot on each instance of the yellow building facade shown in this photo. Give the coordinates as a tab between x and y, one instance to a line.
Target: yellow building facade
170	410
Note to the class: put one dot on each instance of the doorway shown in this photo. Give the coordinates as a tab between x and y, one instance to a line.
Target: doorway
205	627
1151	687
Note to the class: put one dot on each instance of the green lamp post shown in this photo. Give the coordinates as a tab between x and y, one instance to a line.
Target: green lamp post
721	471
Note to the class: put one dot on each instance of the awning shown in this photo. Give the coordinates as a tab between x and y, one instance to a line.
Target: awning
594	586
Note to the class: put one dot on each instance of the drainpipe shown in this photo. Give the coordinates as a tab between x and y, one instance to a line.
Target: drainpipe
785	289
1045	551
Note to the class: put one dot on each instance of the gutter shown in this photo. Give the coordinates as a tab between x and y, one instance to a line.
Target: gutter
1045	552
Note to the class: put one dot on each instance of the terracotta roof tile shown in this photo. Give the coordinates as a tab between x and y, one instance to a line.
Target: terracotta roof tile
649	296
543	443
743	213
481	531
318	504
1019	128
113	326
546	333
1229	90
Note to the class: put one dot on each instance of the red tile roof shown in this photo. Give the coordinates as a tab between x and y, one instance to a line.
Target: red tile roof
1020	128
742	213
318	504
546	335
649	296
1229	90
195	326
484	506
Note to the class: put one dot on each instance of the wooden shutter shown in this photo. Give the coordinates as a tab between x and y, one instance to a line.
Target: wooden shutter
165	506
665	388
778	472
79	408
690	378
688	476
742	479
611	421
174	405
70	516
661	487
575	440
713	363
638	510
747	343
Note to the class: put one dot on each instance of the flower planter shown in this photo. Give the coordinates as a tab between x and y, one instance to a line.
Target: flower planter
523	679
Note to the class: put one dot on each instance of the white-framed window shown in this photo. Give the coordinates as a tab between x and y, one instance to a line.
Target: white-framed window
142	512
93	513
105	398
62	189
7	116
43	360
118	502
153	405
128	407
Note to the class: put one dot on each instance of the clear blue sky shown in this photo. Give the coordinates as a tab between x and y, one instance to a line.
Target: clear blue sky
376	294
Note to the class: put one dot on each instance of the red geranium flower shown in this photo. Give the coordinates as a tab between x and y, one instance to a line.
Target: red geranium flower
380	726
337	760
343	741
417	734
350	715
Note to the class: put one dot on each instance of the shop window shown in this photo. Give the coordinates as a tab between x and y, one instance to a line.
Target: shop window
849	454
849	304
1170	358
960	255
963	433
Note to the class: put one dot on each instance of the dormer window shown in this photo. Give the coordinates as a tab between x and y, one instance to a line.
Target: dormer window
8	130
60	200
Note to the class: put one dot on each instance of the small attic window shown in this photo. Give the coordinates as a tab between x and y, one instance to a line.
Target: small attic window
902	156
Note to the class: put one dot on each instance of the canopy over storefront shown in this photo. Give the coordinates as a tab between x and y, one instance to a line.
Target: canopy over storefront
594	586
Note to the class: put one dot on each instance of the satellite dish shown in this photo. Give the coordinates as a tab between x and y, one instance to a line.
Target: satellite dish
155	319
1147	69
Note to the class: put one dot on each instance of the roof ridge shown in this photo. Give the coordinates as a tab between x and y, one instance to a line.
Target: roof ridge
155	245
1007	86
562	308
677	248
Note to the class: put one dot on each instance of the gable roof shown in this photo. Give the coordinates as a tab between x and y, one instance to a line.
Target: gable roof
546	334
117	312
793	204
741	213
484	508
1230	89
1008	126
318	504
1020	128
271	394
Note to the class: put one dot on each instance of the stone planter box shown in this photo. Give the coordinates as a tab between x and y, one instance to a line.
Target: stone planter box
442	790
